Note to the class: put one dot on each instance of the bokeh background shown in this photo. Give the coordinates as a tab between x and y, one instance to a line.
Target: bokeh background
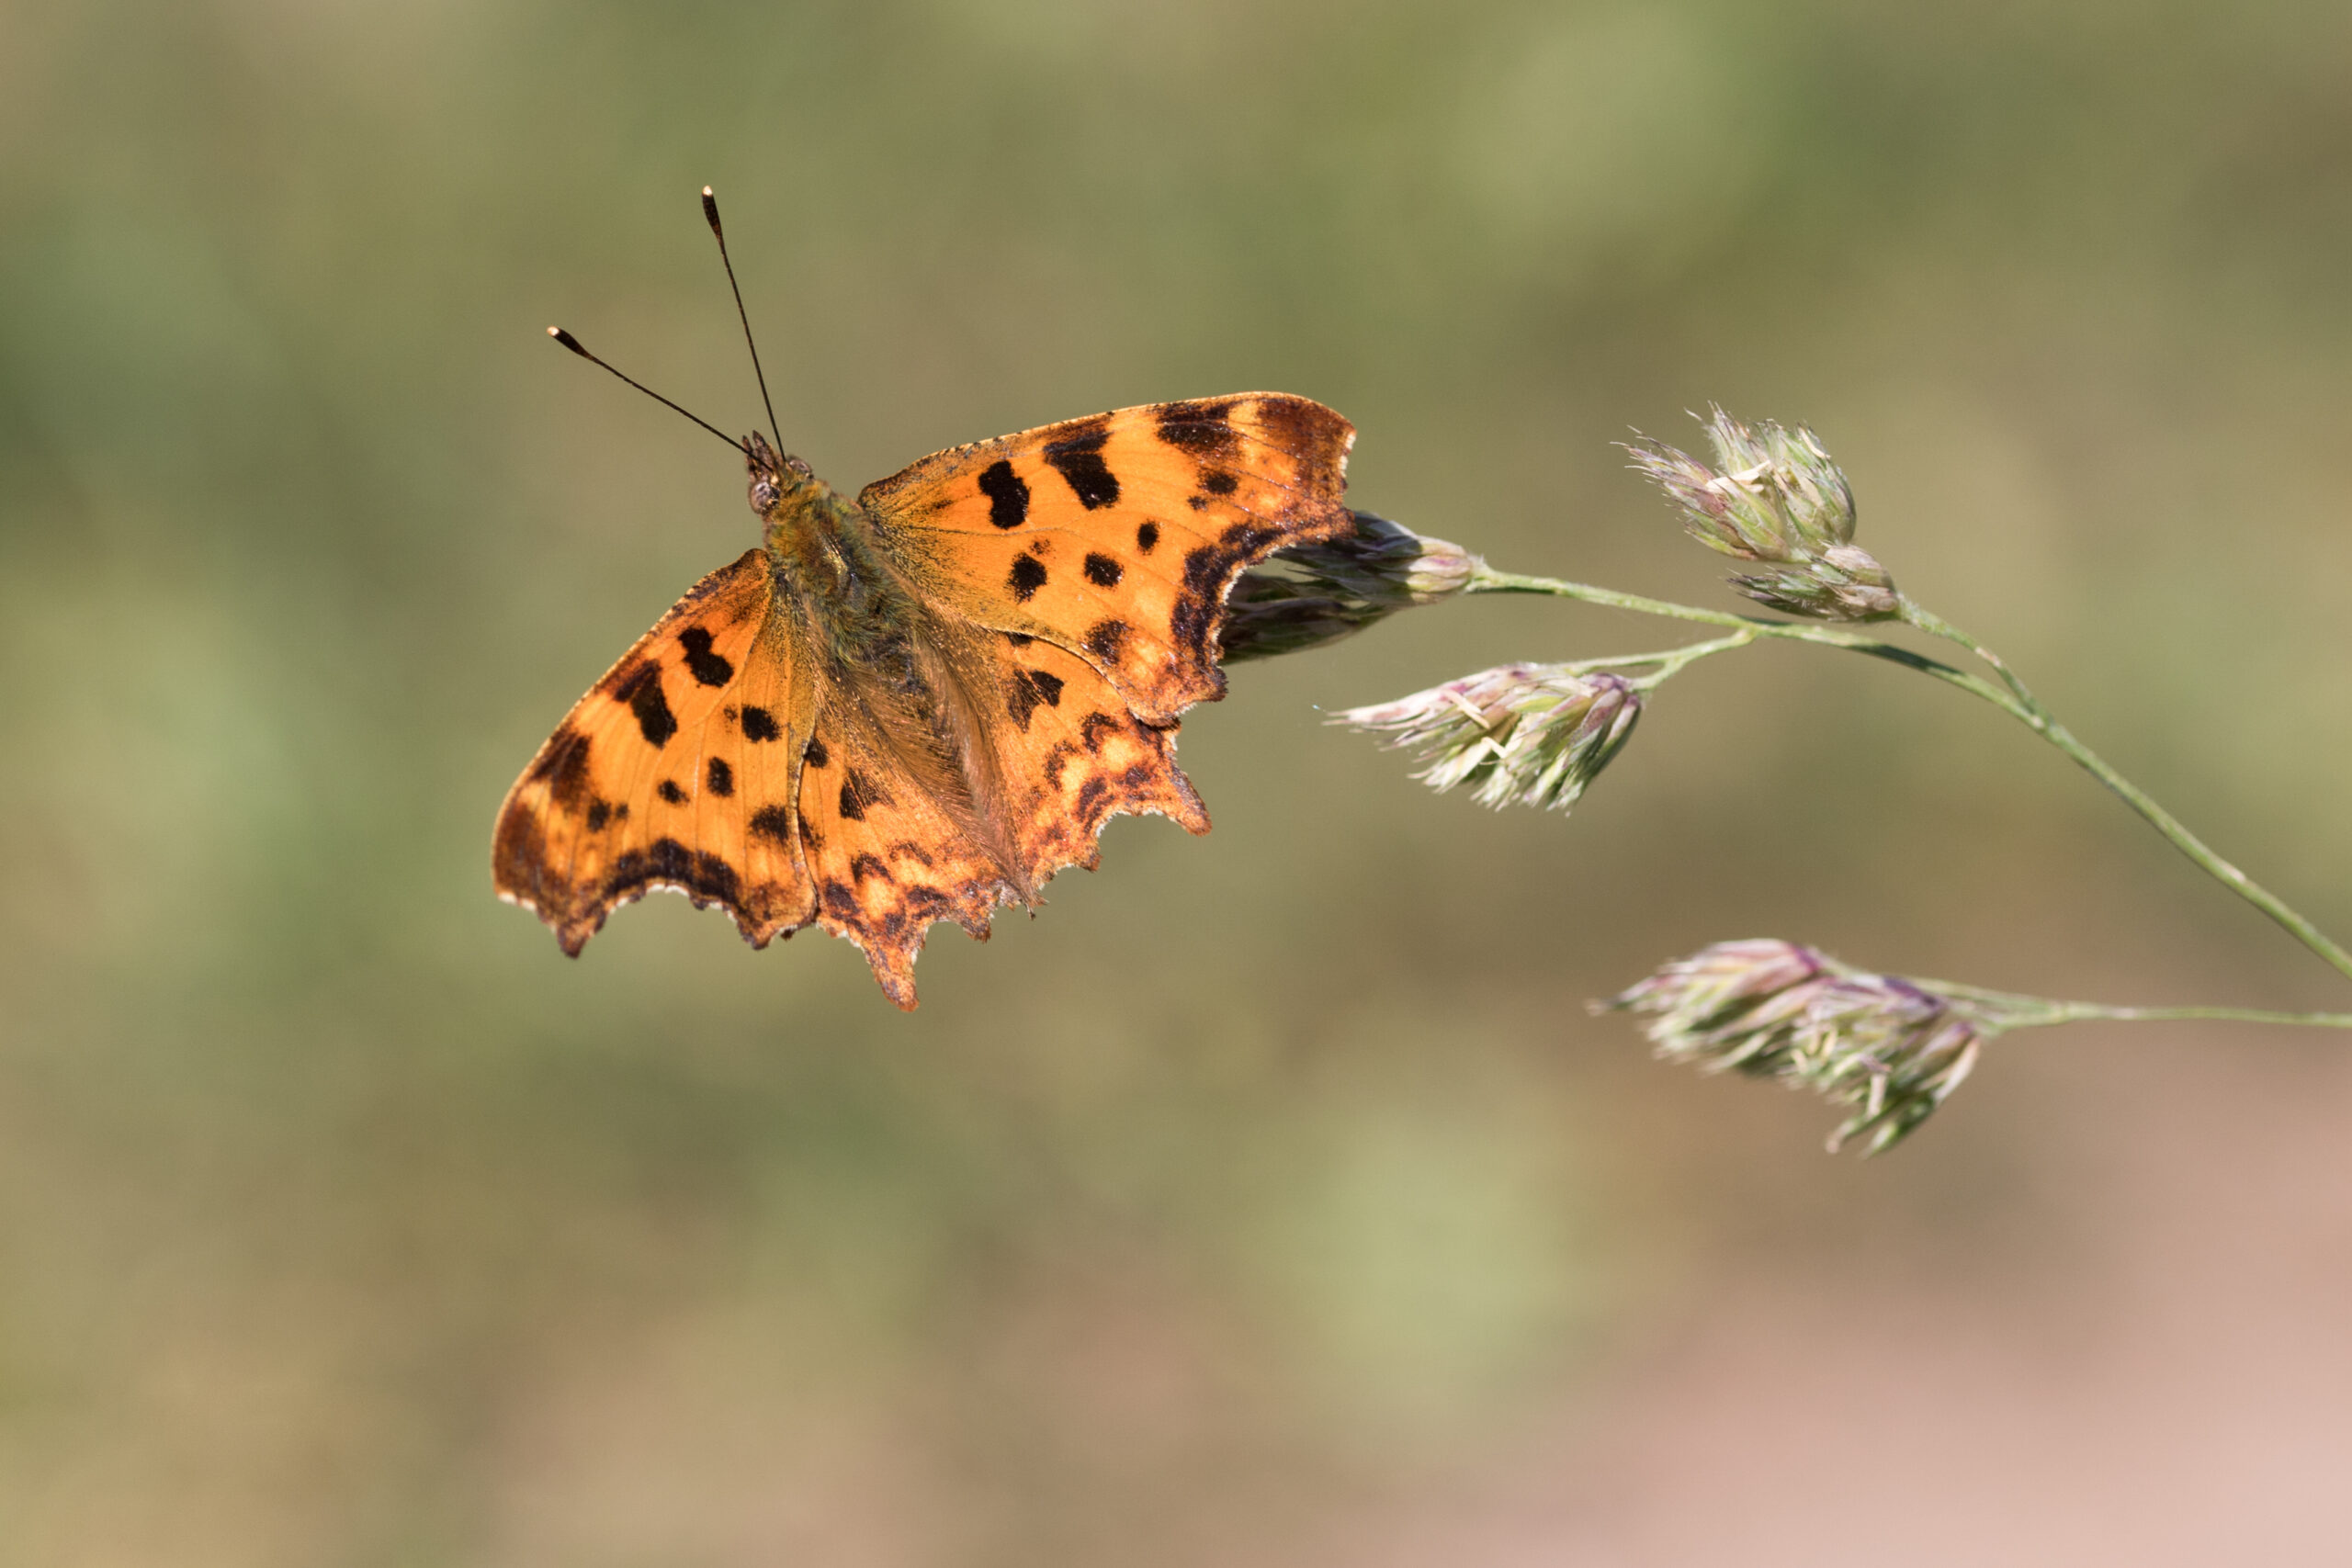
1271	1197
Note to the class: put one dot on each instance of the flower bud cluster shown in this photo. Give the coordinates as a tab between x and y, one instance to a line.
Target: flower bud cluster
1520	733
1888	1048
1776	497
1310	595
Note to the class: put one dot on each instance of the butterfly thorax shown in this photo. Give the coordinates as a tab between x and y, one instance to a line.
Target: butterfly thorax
786	495
894	677
822	547
863	628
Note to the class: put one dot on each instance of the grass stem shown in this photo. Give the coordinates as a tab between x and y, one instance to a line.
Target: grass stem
2011	695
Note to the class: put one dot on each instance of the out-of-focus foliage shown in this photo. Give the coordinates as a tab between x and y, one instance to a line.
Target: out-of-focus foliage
343	1221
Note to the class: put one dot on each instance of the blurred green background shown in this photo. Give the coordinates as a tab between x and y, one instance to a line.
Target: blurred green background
1269	1197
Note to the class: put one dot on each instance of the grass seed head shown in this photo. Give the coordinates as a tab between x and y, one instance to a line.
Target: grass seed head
1775	496
1888	1049
1519	734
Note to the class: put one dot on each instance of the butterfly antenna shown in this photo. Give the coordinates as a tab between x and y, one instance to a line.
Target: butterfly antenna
573	344
710	213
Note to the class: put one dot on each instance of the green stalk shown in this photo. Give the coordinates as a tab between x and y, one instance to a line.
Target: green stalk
2074	1012
2045	724
1669	663
2006	1009
2012	698
1485	578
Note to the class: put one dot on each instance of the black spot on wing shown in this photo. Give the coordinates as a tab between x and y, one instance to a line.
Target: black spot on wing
760	725
671	793
1094	727
1105	638
1200	427
1204	568
866	865
598	815
720	778
640	688
711	669
1102	571
773	822
815	754
1216	481
1028	576
1146	538
1207	570
1079	459
856	796
563	767
1008	494
705	878
1029	688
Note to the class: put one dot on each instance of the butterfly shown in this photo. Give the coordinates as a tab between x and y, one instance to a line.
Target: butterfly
918	704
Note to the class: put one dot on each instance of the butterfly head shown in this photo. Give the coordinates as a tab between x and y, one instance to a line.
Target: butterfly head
777	477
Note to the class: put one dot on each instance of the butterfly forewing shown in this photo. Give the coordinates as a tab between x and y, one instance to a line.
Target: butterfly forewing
677	769
1118	537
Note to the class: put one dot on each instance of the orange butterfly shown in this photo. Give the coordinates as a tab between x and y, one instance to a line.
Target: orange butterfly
922	703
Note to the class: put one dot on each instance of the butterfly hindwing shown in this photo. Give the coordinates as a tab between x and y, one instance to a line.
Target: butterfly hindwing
886	856
677	770
892	849
1076	754
1117	537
